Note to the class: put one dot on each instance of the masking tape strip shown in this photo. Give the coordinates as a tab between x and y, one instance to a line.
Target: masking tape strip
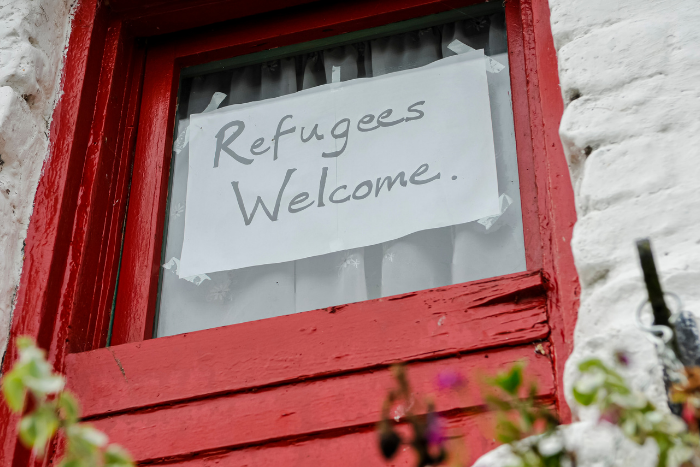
459	47
335	83
183	136
335	74
174	266
503	201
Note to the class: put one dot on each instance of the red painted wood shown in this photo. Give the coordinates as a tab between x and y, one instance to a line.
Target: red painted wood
563	273
100	207
119	196
523	139
83	254
48	237
148	18
158	17
439	322
555	192
285	28
302	409
357	448
136	296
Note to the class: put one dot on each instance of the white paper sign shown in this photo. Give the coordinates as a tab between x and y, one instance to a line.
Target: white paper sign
340	166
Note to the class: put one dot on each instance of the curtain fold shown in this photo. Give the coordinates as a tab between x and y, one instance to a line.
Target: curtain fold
421	260
425	259
338	277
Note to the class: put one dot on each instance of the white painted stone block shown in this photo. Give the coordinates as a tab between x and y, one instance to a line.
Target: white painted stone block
18	127
595	445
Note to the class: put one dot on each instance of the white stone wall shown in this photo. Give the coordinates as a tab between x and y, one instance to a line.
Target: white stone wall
33	37
630	77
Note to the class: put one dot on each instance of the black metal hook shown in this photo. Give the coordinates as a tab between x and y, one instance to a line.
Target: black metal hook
662	314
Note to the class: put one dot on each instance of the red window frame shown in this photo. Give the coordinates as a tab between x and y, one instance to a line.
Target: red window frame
138	285
115	84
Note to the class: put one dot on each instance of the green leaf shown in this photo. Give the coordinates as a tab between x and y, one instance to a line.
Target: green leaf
498	403
116	456
532	394
629	428
551	420
69	407
507	431
47	423
24	342
45	384
617	387
85	440
591	363
532	459
27	431
73	462
664	446
527	419
517	461
34	356
584	398
78	446
37	429
510	381
14	391
552	461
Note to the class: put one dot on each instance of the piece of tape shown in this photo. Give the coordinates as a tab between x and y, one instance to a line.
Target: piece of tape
183	136
174	266
335	74
335	83
492	66
459	47
503	201
215	102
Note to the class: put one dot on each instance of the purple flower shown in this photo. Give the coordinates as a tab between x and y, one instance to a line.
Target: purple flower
611	416
622	358
435	430
450	379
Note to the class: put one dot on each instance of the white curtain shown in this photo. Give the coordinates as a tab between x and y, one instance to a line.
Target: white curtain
431	258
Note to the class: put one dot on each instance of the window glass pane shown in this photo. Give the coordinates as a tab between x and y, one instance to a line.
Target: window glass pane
426	259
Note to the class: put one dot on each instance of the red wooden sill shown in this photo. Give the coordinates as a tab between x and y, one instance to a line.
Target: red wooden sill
466	317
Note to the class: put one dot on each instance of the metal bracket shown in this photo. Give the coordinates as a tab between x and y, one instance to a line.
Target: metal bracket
675	333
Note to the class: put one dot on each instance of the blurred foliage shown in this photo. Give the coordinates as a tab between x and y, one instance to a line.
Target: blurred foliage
427	431
602	387
532	429
528	425
32	388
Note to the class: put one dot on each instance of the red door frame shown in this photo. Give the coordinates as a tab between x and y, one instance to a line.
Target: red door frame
72	247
